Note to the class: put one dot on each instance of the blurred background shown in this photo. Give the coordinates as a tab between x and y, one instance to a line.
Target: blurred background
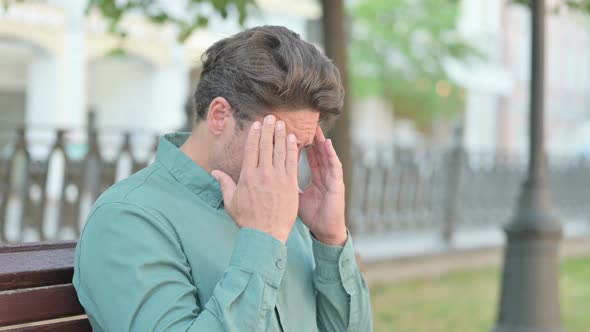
434	138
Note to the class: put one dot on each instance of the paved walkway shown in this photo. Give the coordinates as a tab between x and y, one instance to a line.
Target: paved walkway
432	265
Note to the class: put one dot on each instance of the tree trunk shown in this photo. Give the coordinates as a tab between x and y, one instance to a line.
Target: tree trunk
335	47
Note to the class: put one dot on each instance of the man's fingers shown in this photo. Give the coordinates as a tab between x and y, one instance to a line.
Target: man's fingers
319	135
228	187
335	165
292	156
280	145
266	141
314	166
251	147
312	159
319	141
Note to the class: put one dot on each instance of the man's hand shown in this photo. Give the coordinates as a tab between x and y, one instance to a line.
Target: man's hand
266	196
321	205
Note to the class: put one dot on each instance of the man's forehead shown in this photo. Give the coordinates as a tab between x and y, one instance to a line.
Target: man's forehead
301	116
302	123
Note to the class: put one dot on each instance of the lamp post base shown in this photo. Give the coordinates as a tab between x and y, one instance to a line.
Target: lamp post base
530	280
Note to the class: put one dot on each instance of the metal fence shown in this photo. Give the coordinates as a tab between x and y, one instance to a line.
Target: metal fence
397	190
48	182
49	179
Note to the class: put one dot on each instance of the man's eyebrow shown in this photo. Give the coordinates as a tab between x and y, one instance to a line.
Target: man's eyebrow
305	145
300	144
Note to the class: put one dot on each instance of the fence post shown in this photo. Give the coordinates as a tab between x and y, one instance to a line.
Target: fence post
4	191
19	146
91	127
454	163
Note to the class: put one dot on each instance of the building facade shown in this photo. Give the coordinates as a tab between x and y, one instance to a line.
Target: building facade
57	63
497	107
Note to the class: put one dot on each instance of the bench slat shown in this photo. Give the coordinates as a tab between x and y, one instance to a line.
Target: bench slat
36	246
36	304
34	265
80	325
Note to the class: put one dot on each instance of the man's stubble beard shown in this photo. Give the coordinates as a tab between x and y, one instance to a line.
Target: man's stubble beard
228	158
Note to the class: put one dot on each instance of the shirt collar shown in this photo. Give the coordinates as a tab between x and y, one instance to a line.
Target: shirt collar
186	171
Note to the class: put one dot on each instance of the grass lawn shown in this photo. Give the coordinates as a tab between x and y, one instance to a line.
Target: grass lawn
467	301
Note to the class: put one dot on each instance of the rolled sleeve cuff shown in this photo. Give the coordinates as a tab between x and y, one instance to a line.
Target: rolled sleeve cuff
260	253
334	263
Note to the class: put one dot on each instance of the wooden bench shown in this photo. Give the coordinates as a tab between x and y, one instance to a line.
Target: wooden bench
36	292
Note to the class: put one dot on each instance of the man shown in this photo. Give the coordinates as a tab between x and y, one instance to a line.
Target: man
215	235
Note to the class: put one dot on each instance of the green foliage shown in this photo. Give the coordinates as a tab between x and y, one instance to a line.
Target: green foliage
7	3
117	52
191	19
581	5
397	50
114	10
578	5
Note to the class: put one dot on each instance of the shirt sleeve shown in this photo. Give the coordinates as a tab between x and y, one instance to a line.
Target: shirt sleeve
343	301
131	275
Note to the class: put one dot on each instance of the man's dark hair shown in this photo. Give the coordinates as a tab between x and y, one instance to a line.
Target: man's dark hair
268	67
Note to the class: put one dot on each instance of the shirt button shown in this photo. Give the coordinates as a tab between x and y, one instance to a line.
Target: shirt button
280	264
345	263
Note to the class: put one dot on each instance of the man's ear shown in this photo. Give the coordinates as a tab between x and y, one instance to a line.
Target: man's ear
219	116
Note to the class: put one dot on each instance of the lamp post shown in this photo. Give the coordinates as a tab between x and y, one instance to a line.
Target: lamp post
530	278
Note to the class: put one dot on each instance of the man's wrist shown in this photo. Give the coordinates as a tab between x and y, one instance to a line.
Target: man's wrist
338	239
260	252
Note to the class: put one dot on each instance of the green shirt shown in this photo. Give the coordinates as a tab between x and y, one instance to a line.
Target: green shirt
159	253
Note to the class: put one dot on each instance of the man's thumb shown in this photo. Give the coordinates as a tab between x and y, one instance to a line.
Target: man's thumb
228	187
